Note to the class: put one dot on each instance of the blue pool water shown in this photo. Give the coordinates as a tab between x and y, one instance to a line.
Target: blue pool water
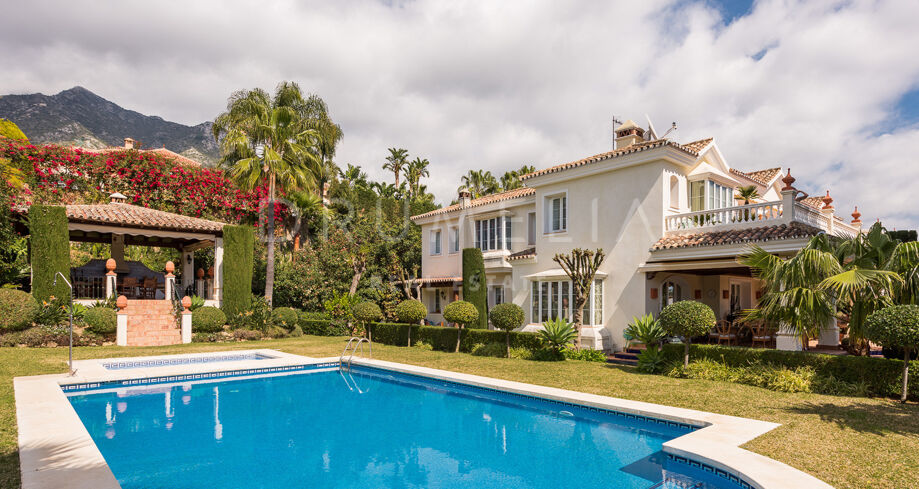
370	428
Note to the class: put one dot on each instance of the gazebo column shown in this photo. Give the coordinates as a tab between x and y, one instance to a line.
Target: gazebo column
118	253
188	269
218	271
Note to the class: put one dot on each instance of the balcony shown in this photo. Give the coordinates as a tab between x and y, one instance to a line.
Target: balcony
757	215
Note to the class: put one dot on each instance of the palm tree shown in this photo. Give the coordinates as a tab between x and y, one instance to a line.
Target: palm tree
748	193
354	176
267	141
479	183
315	113
511	179
417	169
396	161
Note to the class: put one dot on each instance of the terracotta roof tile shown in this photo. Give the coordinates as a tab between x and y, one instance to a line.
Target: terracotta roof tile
523	254
735	236
128	215
762	177
488	199
813	202
692	148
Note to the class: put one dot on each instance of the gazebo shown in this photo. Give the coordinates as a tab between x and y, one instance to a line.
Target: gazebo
147	306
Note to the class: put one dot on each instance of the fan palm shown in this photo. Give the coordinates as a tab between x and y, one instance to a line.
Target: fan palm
267	141
396	161
748	193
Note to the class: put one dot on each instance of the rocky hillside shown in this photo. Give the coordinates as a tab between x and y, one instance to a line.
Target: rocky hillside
79	117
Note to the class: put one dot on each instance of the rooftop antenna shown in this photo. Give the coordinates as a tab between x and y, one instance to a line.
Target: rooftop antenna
616	121
672	128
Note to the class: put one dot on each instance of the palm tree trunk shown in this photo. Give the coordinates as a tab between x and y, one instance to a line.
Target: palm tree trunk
269	266
905	392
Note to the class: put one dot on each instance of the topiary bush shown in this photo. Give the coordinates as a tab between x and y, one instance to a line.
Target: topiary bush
285	317
50	250
475	290
411	312
461	313
896	327
507	317
238	258
208	320
687	319
367	312
101	320
17	310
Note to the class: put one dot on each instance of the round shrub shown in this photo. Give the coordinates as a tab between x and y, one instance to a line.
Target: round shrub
101	320
207	320
687	319
507	316
284	317
17	309
411	311
367	312
461	312
897	327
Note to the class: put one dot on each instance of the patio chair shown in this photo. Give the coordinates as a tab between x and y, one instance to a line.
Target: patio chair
761	334
149	289
726	332
129	287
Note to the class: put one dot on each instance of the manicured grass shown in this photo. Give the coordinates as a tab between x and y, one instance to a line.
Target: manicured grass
848	442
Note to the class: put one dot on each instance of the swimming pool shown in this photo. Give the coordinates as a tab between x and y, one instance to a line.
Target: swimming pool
373	428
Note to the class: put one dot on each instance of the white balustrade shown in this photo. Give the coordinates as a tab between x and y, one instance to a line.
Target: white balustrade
754	214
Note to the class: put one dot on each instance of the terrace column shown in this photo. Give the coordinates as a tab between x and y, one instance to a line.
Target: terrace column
121	323
170	280
110	279
786	339
829	335
186	320
218	271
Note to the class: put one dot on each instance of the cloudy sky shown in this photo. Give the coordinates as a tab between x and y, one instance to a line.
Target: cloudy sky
828	88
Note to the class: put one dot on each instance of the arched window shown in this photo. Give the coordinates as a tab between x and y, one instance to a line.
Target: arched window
674	192
670	292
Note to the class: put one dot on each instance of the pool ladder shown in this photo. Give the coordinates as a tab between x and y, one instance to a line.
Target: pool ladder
351	348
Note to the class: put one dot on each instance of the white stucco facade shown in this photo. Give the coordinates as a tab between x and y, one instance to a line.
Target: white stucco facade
640	204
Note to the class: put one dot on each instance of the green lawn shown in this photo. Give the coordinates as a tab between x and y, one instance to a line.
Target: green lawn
848	442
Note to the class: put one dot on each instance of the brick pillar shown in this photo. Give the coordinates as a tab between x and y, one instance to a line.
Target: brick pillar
121	332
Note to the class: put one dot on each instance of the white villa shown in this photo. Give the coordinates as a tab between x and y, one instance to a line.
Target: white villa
666	214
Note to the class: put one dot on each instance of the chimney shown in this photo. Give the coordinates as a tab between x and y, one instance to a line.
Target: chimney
465	198
118	198
128	143
628	134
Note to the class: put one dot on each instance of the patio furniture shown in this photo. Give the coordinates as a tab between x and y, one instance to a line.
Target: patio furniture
129	287
149	288
726	332
762	334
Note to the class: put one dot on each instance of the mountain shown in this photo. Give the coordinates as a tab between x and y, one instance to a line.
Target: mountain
79	117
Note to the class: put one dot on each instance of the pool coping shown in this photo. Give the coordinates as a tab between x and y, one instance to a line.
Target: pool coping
56	450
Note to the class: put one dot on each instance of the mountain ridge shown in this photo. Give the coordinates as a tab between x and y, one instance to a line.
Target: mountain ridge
79	117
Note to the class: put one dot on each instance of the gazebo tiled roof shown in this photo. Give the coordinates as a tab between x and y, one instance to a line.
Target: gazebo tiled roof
127	215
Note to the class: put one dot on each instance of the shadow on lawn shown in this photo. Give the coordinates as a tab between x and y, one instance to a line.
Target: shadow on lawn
868	417
9	469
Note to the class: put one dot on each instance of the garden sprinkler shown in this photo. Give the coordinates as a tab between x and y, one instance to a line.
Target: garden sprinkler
70	314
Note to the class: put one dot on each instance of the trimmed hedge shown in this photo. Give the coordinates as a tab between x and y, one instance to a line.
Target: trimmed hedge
444	338
50	250
101	320
238	261
320	327
475	288
207	319
17	310
881	376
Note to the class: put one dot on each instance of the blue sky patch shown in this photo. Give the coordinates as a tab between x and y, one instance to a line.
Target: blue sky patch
732	10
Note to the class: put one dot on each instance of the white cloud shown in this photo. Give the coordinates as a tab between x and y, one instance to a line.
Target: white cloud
498	84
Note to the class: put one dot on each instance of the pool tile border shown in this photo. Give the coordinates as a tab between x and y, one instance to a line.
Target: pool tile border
165	362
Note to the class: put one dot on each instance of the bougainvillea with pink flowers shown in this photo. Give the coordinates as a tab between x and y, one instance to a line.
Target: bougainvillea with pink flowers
57	174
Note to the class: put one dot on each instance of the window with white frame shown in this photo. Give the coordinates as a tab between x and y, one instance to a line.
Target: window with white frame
708	195
556	212
555	299
454	240
497	295
493	233
436	303
435	241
